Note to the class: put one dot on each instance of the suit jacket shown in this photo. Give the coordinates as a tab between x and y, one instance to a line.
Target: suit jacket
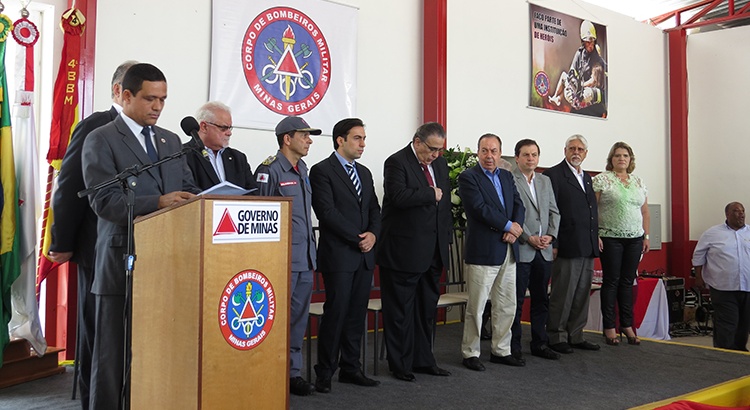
578	235
540	215
74	228
342	216
413	223
236	168
486	217
107	151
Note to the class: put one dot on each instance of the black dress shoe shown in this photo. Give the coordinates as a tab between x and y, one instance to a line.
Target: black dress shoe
585	345
546	353
323	384
519	356
507	360
300	386
357	378
561	347
407	377
474	363
433	370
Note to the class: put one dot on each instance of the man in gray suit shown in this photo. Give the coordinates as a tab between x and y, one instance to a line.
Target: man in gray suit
535	245
131	139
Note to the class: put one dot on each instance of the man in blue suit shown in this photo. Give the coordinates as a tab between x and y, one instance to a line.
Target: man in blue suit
495	215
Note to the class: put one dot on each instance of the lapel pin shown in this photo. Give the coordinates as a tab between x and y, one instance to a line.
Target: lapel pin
163	141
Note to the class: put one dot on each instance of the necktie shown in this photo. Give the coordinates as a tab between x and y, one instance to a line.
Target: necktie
355	180
150	150
427	174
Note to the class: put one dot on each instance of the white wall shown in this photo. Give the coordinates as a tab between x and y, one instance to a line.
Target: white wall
390	79
495	35
718	63
176	38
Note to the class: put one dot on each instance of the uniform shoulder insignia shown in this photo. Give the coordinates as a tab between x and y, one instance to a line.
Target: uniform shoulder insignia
269	160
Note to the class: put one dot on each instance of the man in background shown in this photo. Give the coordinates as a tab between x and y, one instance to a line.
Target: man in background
215	161
576	247
74	229
413	250
131	139
285	174
343	197
722	264
534	264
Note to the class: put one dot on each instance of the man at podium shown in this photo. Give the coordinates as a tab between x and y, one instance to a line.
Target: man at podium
132	138
215	161
285	174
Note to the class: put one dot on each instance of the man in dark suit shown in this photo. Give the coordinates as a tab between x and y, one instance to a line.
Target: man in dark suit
534	265
74	228
494	216
576	247
344	200
215	161
131	139
413	250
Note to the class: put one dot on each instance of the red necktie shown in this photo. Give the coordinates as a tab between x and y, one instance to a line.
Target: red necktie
427	174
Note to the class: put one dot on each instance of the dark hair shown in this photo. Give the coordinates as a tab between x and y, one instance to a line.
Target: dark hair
525	142
427	129
137	74
488	135
341	129
729	205
618	145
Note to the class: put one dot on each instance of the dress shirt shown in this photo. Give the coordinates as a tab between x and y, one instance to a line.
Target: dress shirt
217	162
344	162
725	256
136	129
530	183
579	175
495	179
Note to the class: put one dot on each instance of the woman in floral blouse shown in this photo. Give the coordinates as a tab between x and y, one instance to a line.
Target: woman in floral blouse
623	238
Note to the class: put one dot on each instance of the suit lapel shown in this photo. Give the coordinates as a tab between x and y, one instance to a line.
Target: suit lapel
488	186
525	188
131	141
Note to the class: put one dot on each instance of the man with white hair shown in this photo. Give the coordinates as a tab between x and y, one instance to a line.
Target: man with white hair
215	161
574	250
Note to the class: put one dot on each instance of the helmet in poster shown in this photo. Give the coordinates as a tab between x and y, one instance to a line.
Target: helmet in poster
588	32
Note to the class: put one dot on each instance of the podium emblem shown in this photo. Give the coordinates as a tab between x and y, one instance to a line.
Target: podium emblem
247	309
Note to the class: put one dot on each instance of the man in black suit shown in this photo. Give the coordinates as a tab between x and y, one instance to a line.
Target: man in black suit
344	200
575	248
495	216
413	250
131	139
215	161
74	228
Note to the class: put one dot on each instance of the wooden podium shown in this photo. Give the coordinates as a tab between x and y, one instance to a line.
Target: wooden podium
211	305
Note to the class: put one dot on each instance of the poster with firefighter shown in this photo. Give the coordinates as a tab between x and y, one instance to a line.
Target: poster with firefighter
568	63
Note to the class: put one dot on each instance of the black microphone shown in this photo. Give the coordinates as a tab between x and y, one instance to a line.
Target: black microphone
190	126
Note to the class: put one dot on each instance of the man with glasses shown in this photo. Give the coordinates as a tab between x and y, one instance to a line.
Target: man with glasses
574	249
215	161
416	231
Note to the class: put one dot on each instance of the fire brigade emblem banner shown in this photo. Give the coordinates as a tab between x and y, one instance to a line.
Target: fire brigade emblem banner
270	61
568	63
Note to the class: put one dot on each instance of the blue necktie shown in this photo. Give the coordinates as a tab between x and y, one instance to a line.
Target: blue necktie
355	180
150	150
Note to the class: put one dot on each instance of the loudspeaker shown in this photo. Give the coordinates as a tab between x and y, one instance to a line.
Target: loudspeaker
675	288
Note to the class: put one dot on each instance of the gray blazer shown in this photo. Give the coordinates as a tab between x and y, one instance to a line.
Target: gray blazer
107	151
540	214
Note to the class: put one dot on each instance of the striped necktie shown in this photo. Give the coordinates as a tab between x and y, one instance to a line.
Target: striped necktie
355	180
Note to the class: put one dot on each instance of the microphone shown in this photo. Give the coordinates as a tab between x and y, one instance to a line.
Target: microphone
190	126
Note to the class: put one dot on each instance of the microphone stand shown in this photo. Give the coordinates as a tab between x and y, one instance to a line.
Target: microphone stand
128	179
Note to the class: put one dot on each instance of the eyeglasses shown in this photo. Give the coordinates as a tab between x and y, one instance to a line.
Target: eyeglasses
438	150
222	128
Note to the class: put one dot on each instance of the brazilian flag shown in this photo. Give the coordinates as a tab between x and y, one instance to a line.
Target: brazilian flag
10	267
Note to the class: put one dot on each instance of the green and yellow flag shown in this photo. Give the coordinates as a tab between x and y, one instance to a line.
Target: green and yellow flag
10	266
